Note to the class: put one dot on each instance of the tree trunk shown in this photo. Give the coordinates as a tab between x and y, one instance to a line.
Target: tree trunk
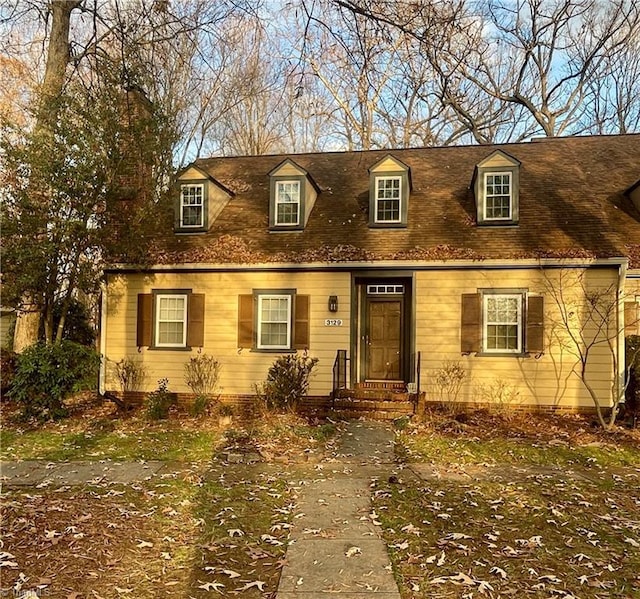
28	320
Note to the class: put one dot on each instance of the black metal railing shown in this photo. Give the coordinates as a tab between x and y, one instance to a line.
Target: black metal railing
339	372
416	397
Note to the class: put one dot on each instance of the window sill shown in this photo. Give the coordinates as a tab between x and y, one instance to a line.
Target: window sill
488	354
387	225
257	350
180	349
498	223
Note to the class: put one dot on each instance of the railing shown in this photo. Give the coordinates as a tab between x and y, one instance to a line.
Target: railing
339	372
416	399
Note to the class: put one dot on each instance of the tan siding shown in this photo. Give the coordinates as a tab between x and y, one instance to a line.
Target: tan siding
218	199
310	198
386	166
542	381
240	370
498	160
287	169
192	173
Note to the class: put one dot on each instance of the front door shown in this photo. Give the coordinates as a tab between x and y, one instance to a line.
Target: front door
383	339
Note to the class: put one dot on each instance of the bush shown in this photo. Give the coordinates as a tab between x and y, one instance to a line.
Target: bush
287	382
201	374
160	400
46	375
632	392
7	369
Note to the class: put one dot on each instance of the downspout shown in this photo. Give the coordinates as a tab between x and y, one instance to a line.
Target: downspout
621	374
103	337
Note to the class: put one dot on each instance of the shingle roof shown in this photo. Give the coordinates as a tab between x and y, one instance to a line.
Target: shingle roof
572	204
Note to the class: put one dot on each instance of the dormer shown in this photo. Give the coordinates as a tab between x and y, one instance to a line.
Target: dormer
496	184
634	194
292	194
389	187
199	201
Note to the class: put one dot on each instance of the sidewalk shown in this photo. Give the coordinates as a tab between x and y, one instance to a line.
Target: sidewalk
41	474
335	545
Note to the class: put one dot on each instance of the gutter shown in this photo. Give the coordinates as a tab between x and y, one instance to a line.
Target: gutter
378	265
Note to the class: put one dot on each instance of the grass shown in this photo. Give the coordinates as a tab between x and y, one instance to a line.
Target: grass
148	444
530	507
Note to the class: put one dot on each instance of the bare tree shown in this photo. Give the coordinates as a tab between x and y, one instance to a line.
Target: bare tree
586	324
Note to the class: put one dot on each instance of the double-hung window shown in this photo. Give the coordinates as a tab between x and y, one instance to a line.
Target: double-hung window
192	205
502	323
287	203
171	321
388	198
498	196
274	321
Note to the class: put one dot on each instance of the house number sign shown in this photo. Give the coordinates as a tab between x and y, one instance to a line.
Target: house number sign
333	322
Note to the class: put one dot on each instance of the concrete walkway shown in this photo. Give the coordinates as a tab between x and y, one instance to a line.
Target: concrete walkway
42	474
336	546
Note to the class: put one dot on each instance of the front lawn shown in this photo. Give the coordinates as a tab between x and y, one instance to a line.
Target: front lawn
525	507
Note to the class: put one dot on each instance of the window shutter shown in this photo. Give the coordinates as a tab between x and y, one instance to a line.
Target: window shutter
301	325
144	332
195	320
535	325
245	321
631	318
470	323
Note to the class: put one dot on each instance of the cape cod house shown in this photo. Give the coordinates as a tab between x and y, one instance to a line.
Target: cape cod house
390	267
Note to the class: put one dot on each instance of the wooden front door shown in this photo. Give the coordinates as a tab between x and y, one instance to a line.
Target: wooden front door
383	340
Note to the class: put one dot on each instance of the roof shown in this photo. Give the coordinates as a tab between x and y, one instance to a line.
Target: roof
572	204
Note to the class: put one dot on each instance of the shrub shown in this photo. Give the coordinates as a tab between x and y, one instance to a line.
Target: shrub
7	369
201	374
130	374
632	392
46	375
160	400
287	382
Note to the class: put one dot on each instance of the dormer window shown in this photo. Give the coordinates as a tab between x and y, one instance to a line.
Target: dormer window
496	187
287	203
292	194
388	200
192	206
389	185
497	197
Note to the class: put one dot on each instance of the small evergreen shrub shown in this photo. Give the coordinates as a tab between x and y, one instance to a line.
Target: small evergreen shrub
287	382
200	405
632	392
46	375
7	369
160	401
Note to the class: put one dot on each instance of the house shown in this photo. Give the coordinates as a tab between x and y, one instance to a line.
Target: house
390	267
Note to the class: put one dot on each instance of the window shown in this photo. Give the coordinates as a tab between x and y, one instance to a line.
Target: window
388	199
171	321
502	318
287	203
500	322
497	196
192	206
274	321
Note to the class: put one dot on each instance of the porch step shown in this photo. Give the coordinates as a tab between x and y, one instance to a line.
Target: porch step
351	407
374	394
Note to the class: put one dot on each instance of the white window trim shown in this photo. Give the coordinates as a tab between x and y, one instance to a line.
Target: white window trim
182	206
501	173
262	297
377	199
278	202
520	323
158	299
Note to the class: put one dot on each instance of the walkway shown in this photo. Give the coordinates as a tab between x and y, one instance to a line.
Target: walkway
335	544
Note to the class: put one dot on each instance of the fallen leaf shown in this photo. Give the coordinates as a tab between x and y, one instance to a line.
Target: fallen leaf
353	551
259	584
142	544
211	586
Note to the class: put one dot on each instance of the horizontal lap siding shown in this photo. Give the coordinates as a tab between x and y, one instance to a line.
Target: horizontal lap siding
241	370
543	381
